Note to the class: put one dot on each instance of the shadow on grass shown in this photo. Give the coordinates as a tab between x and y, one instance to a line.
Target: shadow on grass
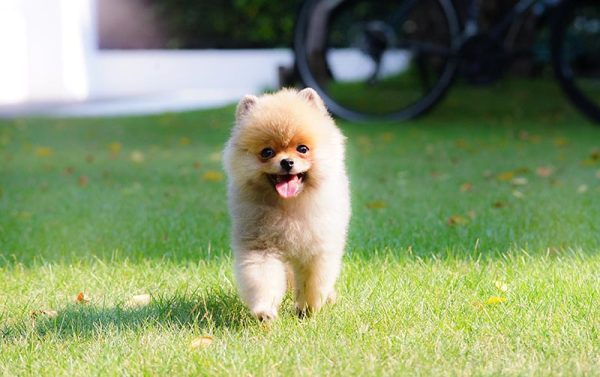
213	309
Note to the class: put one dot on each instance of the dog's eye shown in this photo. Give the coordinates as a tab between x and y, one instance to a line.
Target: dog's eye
267	153
302	149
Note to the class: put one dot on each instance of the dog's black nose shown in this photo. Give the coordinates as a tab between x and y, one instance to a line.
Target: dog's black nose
287	164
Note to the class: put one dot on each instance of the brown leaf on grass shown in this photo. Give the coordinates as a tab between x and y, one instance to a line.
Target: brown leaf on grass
202	342
467	186
83	181
505	176
137	156
184	141
115	148
456	220
68	170
139	300
593	158
518	194
376	204
519	181
212	176
44	151
498	204
82	298
197	165
544	171
89	158
44	313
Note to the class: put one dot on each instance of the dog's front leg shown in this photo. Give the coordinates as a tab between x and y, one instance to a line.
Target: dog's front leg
314	283
261	280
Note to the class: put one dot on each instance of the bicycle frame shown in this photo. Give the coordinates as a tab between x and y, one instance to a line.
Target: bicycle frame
472	25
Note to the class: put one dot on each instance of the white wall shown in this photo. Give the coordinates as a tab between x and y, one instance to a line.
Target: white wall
48	53
238	72
44	48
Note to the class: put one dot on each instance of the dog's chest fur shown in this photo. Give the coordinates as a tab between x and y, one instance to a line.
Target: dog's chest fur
296	230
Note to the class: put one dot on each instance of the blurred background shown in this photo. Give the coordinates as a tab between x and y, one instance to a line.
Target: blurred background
94	57
95	51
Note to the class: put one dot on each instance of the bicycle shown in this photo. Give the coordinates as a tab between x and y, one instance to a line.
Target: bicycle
395	60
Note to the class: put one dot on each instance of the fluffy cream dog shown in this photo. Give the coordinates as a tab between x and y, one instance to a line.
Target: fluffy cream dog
289	200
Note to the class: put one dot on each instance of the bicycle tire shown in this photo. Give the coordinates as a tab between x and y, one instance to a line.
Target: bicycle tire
563	60
414	109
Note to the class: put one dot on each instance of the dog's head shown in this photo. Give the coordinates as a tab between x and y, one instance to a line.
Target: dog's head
281	143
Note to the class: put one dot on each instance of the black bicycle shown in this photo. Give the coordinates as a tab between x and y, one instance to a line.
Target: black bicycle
394	60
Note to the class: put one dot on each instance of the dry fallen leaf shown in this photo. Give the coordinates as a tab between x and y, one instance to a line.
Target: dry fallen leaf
467	186
197	165
137	156
115	147
212	176
44	312
457	220
140	300
44	151
82	298
498	204
184	141
376	204
544	171
83	181
519	181
495	300
202	342
518	194
68	170
505	176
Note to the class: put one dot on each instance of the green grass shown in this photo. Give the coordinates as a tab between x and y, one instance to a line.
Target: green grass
123	206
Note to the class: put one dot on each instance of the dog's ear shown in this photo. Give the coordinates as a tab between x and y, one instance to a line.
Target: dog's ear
311	95
245	105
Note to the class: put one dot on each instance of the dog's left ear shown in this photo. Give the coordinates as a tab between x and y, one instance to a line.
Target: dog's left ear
311	95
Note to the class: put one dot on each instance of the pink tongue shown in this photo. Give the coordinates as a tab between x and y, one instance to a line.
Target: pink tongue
290	188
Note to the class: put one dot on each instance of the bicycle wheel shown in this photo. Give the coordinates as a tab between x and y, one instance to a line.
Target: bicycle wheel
576	54
377	60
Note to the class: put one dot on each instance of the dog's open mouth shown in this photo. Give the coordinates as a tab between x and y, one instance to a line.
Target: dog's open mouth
287	185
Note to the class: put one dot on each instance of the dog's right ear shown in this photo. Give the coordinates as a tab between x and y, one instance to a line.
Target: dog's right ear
245	105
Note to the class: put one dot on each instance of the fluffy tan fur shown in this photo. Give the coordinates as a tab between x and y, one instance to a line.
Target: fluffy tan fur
275	237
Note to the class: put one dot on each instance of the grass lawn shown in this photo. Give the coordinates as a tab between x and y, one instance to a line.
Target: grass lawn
474	247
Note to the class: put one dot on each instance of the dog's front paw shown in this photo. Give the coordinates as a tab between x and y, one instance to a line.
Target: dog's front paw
265	315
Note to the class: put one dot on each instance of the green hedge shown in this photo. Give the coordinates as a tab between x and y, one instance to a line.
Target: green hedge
227	23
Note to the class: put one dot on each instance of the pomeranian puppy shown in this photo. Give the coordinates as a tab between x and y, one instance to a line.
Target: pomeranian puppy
289	200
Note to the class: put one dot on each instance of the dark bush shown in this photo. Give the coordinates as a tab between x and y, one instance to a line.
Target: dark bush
227	23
